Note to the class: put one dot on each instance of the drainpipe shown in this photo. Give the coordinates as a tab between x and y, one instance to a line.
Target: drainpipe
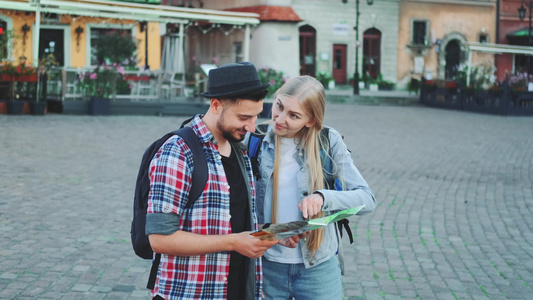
497	22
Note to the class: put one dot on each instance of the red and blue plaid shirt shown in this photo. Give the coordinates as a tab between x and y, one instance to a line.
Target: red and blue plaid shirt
201	276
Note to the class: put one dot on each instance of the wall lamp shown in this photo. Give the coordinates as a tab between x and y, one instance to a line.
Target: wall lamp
79	31
25	29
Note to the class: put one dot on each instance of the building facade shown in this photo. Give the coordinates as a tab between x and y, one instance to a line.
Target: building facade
317	36
434	35
513	31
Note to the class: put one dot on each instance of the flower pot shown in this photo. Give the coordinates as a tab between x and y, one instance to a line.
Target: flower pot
25	78
99	106
15	107
37	108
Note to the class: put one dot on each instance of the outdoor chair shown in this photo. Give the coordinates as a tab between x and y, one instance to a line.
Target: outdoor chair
71	89
146	89
172	85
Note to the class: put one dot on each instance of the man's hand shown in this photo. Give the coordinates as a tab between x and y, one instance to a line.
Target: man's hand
250	246
311	205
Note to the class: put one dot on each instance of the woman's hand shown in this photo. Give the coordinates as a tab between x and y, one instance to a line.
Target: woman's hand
311	205
292	242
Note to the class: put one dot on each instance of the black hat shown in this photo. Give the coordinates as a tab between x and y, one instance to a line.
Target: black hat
232	80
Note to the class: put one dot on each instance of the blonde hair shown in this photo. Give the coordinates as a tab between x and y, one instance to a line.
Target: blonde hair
311	96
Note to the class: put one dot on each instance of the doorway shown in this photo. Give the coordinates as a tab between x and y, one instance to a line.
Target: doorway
307	51
339	63
371	53
52	41
453	59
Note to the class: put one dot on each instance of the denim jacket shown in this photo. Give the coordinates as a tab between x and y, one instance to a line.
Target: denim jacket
356	191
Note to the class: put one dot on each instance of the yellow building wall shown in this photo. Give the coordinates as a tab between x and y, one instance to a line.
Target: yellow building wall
154	47
467	20
23	46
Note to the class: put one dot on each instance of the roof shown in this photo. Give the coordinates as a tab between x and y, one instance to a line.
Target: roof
270	13
131	11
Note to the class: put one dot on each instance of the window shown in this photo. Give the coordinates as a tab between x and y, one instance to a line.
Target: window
237	51
95	33
4	39
483	38
420	33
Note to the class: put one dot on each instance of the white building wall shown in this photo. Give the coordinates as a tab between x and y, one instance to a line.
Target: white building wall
276	45
323	14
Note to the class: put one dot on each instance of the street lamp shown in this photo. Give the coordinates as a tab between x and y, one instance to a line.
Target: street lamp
356	74
522	15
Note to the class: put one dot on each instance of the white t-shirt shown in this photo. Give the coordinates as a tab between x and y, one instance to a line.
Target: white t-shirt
287	206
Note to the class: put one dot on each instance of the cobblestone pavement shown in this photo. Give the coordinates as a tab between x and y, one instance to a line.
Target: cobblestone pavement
453	221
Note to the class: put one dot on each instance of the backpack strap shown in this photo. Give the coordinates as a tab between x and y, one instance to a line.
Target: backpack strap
199	172
254	143
199	180
253	152
153	272
332	183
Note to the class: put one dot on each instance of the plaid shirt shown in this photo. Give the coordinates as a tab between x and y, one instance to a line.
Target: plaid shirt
201	276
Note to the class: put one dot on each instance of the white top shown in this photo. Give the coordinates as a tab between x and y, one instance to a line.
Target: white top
287	202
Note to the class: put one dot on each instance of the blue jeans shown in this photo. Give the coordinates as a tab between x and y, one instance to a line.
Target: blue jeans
285	281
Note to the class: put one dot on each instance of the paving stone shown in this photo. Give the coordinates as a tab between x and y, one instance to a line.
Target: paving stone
454	194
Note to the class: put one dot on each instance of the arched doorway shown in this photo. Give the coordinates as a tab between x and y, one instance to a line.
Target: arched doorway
307	50
371	53
453	59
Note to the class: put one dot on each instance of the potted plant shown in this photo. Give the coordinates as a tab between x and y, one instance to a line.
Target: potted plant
19	76
38	104
100	85
451	87
326	79
414	85
276	80
385	85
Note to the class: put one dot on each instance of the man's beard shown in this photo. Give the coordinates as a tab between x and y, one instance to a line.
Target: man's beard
227	133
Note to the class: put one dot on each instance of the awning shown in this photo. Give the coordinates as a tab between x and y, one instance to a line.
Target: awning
500	48
131	11
520	32
494	49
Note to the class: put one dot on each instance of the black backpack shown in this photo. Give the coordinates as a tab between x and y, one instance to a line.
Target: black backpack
254	143
139	239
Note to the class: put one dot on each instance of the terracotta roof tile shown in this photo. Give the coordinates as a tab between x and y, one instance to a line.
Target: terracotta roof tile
270	13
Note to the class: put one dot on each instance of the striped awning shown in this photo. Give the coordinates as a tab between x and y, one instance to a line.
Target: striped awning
131	11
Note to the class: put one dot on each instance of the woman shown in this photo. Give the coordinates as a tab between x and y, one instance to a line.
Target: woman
291	186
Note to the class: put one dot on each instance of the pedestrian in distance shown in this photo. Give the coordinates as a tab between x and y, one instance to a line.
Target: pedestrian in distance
292	184
206	250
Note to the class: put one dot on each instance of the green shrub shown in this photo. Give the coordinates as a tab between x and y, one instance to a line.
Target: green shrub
275	78
324	78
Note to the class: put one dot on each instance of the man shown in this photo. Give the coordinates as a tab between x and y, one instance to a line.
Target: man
207	251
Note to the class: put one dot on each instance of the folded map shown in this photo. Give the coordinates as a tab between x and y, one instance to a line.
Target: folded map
285	230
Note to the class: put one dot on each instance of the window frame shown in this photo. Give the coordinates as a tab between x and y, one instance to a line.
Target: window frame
91	26
426	41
